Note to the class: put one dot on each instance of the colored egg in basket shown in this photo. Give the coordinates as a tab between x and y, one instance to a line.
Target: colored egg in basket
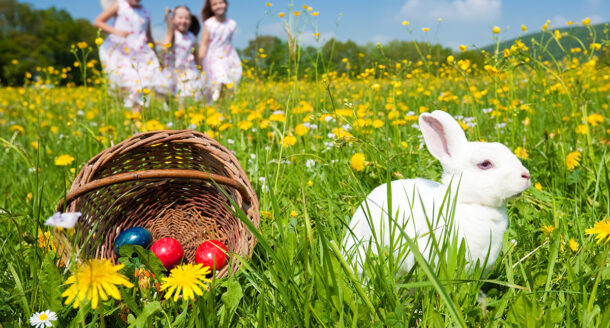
132	236
169	251
212	253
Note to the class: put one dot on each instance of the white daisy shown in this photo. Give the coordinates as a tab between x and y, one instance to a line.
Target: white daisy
63	220
43	319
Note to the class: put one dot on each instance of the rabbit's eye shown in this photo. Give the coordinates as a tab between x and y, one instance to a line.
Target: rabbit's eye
485	165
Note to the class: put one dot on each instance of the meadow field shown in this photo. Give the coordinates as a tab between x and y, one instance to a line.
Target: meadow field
313	145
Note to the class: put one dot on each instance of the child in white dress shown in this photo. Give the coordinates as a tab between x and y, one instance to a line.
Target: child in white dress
180	61
220	60
128	54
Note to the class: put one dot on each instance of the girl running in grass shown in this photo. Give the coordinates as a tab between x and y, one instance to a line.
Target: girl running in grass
180	61
127	54
220	60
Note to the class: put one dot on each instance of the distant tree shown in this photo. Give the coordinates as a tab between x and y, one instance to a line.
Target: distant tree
31	38
343	56
268	54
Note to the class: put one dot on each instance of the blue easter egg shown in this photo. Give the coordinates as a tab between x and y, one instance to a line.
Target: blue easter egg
132	236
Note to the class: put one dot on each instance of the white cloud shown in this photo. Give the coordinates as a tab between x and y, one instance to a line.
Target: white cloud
308	39
596	19
559	21
453	10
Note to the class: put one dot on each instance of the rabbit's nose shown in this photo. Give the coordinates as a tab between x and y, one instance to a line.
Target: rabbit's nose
525	175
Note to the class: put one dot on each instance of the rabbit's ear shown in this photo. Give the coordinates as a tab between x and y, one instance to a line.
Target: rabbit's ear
443	135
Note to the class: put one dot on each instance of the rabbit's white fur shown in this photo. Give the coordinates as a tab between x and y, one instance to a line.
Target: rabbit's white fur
482	174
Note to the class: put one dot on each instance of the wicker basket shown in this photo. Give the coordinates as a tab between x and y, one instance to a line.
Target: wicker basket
170	183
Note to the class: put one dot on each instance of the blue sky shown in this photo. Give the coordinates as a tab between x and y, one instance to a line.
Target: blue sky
466	22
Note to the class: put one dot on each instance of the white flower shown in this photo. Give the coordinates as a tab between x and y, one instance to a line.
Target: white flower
310	163
43	319
63	220
230	141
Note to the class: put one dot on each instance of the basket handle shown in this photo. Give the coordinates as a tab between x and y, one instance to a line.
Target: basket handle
153	174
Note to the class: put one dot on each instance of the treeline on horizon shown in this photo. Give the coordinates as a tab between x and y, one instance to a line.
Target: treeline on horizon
31	40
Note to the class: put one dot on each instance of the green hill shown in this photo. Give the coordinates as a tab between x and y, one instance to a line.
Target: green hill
572	37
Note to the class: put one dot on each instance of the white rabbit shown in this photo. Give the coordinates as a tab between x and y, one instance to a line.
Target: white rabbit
484	175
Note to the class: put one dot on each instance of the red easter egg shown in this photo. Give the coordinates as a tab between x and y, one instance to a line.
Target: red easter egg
212	252
169	251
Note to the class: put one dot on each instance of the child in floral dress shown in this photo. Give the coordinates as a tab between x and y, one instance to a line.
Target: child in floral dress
184	77
220	61
128	54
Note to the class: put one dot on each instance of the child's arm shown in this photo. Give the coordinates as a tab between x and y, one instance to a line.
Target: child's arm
169	35
150	40
203	47
100	21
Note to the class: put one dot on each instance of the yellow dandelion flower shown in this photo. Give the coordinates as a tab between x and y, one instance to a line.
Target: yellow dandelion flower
357	162
99	41
547	229
82	45
573	244
268	4
573	160
450	59
293	214
266	215
595	46
557	35
186	279
152	125
95	279
581	129
425	29
281	15
315	13
63	160
586	21
244	125
595	119
16	128
405	23
495	30
538	186
296	13
463	48
523	28
300	130
289	141
309	183
521	153
602	230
